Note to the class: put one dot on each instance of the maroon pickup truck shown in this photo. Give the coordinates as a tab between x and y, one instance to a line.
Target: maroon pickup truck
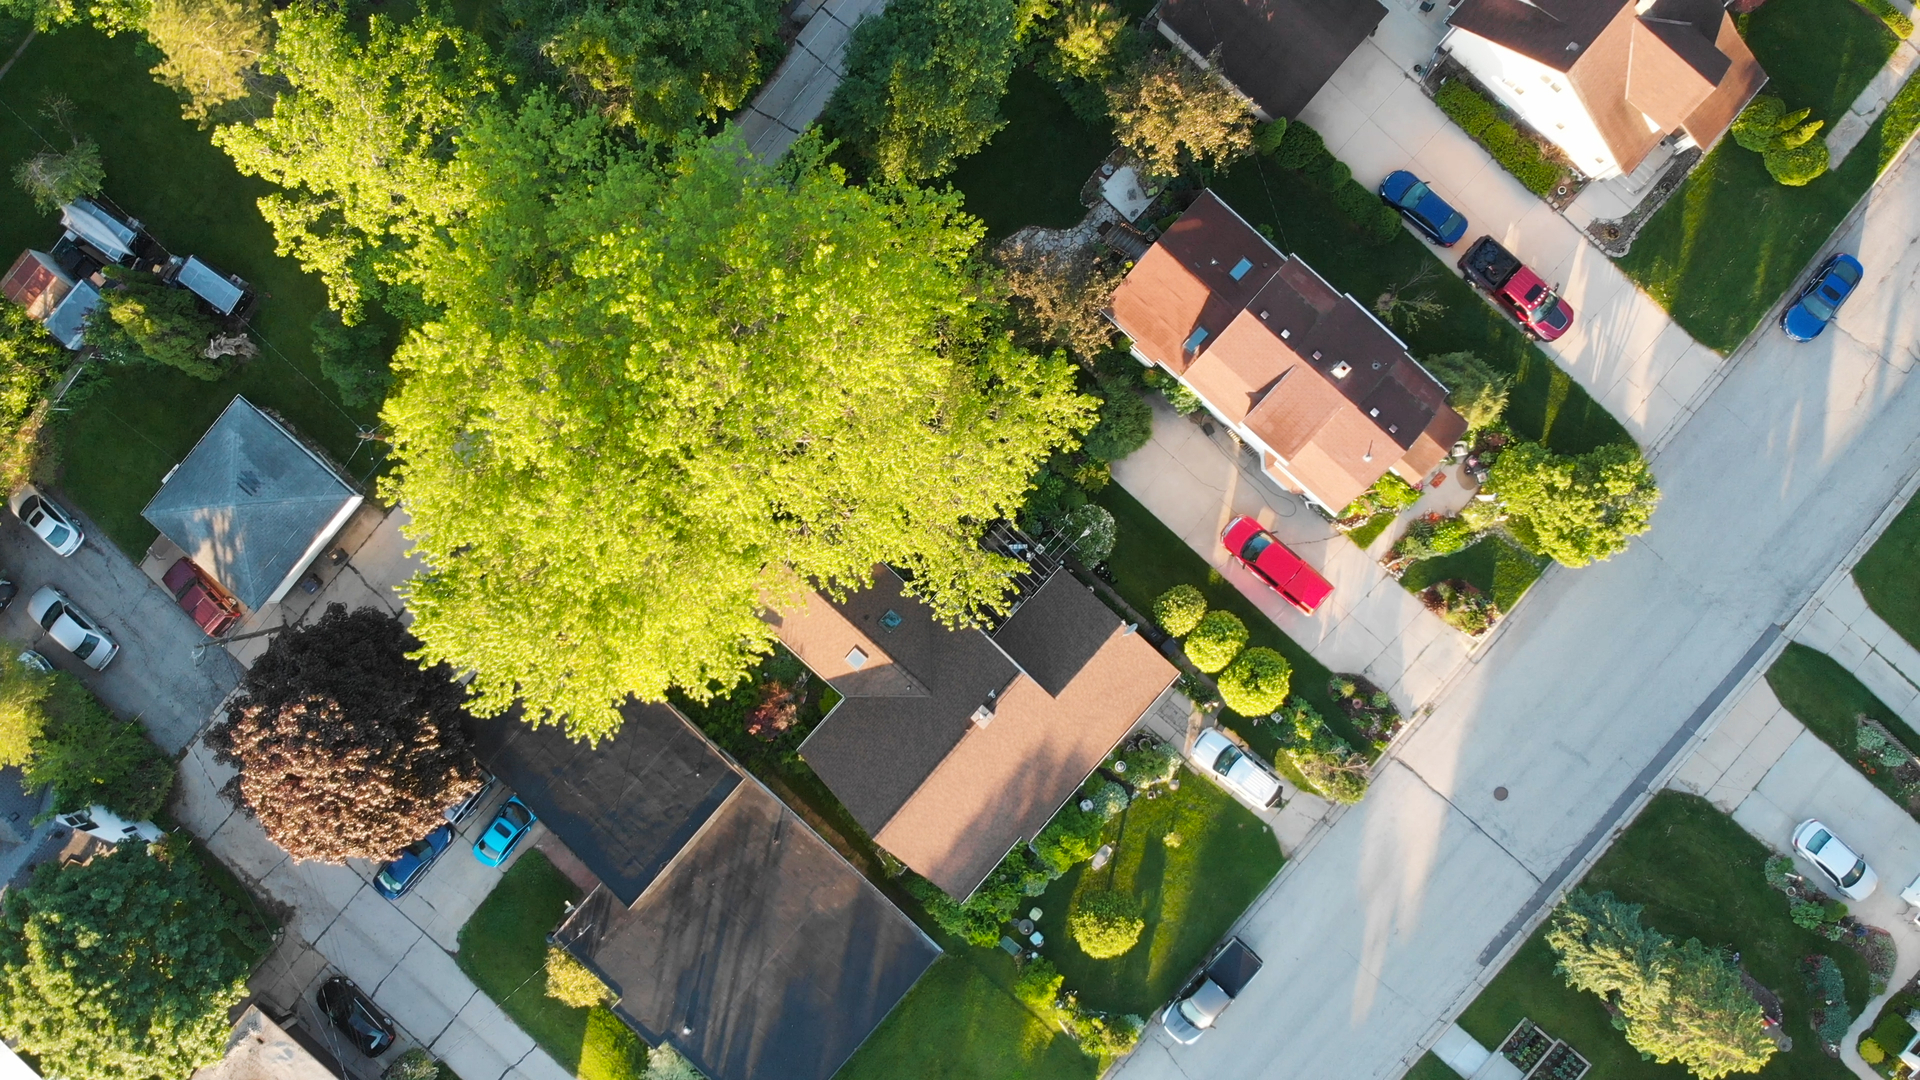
1523	293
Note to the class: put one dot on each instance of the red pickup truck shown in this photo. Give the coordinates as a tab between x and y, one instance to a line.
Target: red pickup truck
1523	293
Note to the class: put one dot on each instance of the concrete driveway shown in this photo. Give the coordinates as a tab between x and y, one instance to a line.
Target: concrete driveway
157	676
1387	925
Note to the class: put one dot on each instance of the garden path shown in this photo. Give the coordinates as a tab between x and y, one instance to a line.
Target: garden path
1623	348
1845	628
1846	133
794	97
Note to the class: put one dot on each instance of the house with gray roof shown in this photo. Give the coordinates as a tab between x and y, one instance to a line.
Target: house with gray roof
252	504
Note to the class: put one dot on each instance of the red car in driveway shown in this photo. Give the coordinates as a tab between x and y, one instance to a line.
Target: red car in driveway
200	597
1256	549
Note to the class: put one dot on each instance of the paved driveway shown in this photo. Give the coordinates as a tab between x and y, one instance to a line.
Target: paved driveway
157	676
1385	926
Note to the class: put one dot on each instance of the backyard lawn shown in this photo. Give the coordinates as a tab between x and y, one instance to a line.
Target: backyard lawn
503	949
1492	564
1699	875
1826	697
962	1022
1032	171
117	444
1194	858
1889	574
1731	241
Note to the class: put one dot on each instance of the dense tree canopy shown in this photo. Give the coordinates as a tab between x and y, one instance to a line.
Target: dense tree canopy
91	757
657	402
923	84
1174	114
211	48
23	708
1575	509
139	319
30	361
346	747
122	968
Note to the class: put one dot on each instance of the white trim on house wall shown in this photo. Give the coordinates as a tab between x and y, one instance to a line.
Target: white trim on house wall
1542	97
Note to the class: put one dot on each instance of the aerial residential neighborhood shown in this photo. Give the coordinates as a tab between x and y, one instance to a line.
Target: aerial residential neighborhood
959	540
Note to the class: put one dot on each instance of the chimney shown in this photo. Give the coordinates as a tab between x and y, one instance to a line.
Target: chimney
983	715
1341	370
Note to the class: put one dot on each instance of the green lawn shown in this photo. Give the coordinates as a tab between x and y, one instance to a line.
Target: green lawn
1731	241
1368	533
1191	891
961	1022
1431	1068
1493	564
503	949
1148	559
115	447
1889	574
1545	404
1699	875
1826	697
1032	171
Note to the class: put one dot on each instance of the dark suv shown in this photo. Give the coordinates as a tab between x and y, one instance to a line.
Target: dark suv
355	1014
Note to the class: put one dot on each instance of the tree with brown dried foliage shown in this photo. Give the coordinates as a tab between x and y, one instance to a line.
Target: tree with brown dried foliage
346	747
1064	295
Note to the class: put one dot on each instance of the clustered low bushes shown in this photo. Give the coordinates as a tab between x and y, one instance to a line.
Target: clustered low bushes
1786	140
1890	1033
1515	152
1324	758
1184	401
1302	149
1215	640
1432	535
1371	710
1101	1036
1828	986
1388	494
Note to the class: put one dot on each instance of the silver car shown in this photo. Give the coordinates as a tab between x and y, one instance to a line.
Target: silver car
54	526
1834	859
75	632
1229	971
1241	772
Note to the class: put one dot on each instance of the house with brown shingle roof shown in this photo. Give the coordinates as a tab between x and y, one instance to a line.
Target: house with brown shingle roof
1301	371
1277	53
953	745
1609	80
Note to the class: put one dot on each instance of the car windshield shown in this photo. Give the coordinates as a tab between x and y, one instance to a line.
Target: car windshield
391	881
86	646
57	535
1818	841
1555	316
1414	194
1818	305
52	615
29	505
1193	1014
1227	760
1454	221
1255	544
1854	875
515	815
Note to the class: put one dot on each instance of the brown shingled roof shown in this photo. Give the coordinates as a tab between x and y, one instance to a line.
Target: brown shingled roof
1277	52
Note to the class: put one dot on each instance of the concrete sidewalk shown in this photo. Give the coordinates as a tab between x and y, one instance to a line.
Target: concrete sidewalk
1845	133
1370	625
801	86
1623	348
1845	628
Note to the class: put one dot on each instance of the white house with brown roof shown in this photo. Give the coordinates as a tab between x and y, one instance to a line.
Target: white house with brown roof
1299	370
1609	80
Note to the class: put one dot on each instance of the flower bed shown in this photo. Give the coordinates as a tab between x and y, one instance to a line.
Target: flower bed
1540	1056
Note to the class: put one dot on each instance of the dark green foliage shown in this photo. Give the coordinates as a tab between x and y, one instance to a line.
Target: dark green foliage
92	758
354	358
1430	535
1268	138
923	85
978	921
1300	146
139	319
1331	172
1466	108
1038	986
123	968
1125	425
1480	118
1476	391
1256	682
1354	200
1070	838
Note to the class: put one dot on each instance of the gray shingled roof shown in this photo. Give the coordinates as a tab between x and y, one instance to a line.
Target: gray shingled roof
250	502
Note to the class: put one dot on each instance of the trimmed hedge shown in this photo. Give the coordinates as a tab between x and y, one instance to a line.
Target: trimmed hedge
1515	152
1179	609
1300	146
1256	683
1895	19
1216	640
1302	149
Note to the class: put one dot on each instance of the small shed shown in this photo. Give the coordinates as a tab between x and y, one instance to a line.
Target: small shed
36	282
217	289
67	321
252	504
100	228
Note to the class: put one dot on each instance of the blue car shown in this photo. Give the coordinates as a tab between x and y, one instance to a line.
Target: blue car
1428	212
1820	301
407	868
509	827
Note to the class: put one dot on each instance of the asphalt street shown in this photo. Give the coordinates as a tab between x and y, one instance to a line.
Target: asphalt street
1377	934
157	678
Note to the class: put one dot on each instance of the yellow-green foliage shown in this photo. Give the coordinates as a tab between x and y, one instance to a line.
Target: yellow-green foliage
1105	924
1871	1053
571	982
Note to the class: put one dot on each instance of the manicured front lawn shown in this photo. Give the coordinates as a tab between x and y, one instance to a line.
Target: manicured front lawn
503	949
961	1022
1700	876
1032	171
1431	1068
1889	574
1194	858
1492	564
116	445
1826	697
1366	534
1731	241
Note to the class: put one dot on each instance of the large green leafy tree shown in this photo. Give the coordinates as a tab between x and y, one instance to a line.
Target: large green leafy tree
30	360
657	403
91	757
1575	509
122	968
361	143
923	85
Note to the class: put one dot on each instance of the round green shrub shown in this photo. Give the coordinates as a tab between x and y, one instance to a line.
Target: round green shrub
1331	172
1179	609
1871	1053
1267	139
1383	223
1105	924
1256	682
1216	639
1300	146
1759	122
1353	200
1798	166
1125	425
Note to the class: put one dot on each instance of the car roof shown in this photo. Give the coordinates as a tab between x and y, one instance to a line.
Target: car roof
1291	574
1209	1000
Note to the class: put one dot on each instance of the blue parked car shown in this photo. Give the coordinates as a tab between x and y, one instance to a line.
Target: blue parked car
1428	212
1820	301
509	827
407	868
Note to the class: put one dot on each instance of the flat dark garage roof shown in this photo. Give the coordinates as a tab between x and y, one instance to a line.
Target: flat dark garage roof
760	954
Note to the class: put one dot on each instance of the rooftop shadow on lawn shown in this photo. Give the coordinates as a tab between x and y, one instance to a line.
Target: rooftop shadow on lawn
117	444
1731	241
961	1022
1191	891
503	949
1889	574
1699	875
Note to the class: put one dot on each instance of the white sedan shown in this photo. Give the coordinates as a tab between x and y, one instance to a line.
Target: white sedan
1242	773
63	623
1847	870
48	521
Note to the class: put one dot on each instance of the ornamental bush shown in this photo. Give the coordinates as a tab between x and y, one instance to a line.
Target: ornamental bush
1179	609
1353	199
1798	166
1256	682
1267	139
1300	146
1215	640
1105	924
1466	108
1070	838
571	982
1476	391
1871	1053
1575	509
1125	425
1330	171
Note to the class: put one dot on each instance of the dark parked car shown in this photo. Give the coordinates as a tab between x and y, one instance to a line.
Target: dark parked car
1428	212
462	810
8	590
1524	294
355	1014
408	867
1820	301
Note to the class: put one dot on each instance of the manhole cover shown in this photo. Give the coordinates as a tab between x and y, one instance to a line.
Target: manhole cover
1500	794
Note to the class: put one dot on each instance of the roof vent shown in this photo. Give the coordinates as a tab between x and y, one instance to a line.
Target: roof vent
890	621
856	658
1373	412
249	482
1263	316
1341	370
1316	354
983	715
1393	429
1285	334
1573	46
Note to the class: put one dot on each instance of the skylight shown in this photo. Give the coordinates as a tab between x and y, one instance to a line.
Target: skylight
1194	339
1240	268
